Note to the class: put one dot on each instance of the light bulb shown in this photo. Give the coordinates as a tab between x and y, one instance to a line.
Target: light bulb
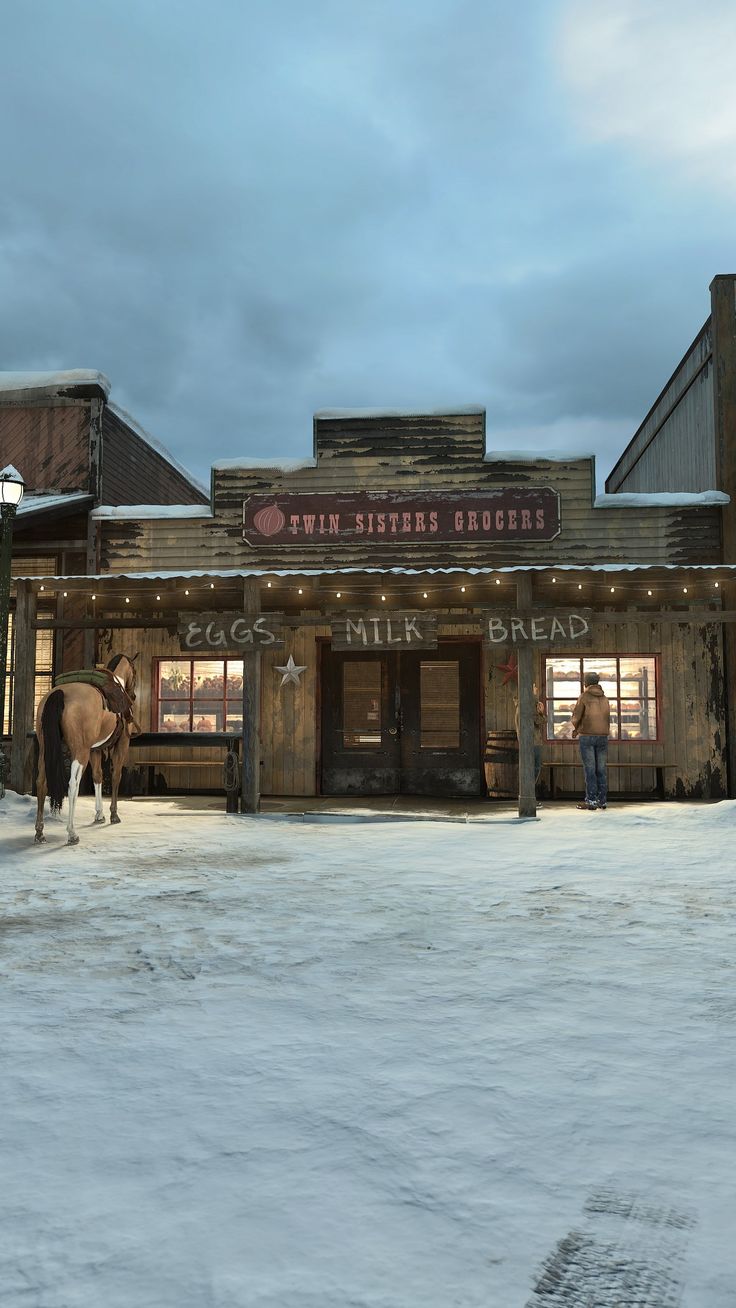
268	585
426	596
684	590
613	589
338	594
580	585
462	588
43	587
649	592
301	592
65	594
94	597
212	585
554	579
127	601
158	597
186	592
498	581
716	586
383	597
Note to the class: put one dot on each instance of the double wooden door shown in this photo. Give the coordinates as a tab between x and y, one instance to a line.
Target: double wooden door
401	723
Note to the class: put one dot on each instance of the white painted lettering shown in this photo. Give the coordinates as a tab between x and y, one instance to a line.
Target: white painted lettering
241	632
538	632
497	631
518	629
411	629
556	629
214	635
355	628
391	639
374	623
577	631
193	636
260	630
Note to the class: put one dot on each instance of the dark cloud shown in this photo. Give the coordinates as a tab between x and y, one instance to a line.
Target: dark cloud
245	212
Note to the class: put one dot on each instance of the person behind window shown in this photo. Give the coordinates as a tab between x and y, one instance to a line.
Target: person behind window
540	720
591	719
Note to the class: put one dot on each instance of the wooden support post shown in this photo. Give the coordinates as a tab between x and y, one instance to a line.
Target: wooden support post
21	764
723	329
250	794
527	797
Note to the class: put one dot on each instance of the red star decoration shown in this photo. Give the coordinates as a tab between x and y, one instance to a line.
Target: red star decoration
510	670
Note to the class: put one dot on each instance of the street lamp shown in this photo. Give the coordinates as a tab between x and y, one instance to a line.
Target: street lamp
11	494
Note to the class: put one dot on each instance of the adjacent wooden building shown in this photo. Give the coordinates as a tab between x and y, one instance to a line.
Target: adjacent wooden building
361	616
74	450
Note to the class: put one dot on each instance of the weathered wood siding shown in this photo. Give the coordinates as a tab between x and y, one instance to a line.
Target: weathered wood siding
691	704
674	448
425	454
48	443
133	472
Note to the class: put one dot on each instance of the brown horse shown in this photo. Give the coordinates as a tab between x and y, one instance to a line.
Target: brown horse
76	714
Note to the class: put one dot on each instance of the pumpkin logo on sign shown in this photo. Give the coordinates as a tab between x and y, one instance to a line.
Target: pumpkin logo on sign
269	520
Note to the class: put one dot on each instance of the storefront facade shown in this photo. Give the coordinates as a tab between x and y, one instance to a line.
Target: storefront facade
366	617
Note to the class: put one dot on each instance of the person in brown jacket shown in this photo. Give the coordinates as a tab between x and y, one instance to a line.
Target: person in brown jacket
591	720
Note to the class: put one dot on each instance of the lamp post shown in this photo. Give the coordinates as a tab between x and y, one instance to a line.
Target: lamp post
11	494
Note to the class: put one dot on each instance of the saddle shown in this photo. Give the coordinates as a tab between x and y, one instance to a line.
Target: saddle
114	696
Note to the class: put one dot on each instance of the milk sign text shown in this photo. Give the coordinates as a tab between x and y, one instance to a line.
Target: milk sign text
536	628
230	631
384	631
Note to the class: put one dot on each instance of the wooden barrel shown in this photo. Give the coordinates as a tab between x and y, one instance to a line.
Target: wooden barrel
501	764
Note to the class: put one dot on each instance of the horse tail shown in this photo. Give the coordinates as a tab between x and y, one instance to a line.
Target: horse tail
53	750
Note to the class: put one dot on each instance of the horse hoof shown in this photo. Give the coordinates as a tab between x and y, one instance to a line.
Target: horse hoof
99	820
40	838
113	819
73	840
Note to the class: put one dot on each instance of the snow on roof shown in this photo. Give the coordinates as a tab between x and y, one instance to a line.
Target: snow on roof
278	464
682	499
53	383
48	503
138	511
532	456
449	411
171	574
156	445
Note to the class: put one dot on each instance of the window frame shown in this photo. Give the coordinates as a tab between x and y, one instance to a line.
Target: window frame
192	660
38	672
590	655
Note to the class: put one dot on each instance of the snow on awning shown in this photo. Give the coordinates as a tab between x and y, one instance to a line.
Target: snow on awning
130	512
74	381
40	506
234	574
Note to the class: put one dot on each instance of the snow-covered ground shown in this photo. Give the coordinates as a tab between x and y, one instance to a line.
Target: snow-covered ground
252	1062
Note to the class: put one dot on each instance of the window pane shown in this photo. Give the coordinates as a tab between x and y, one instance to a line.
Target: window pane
234	720
173	715
207	715
361	703
41	687
209	679
44	649
638	719
637	677
562	678
606	669
174	678
439	699
234	679
613	730
559	713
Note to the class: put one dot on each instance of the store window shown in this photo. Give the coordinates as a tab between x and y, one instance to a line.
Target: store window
198	695
628	680
42	672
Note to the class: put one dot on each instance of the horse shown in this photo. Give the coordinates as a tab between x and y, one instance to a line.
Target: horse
88	720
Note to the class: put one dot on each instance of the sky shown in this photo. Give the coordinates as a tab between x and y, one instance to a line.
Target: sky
246	212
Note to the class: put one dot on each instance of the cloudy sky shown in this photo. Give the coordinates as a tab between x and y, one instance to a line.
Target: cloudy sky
244	211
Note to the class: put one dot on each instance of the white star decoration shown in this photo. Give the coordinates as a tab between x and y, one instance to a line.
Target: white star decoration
291	671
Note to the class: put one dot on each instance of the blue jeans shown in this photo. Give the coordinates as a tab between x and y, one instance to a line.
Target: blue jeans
594	753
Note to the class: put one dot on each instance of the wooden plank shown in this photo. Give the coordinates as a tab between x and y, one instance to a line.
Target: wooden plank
21	759
226	633
525	655
250	792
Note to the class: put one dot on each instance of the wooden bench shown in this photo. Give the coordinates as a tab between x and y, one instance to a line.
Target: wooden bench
658	768
160	740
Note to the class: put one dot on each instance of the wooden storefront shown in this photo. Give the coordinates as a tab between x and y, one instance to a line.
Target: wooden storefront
408	578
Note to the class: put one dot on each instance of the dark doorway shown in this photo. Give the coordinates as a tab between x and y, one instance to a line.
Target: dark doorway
401	723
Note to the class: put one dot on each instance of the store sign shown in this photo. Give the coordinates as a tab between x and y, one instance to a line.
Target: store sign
536	628
384	631
402	517
246	633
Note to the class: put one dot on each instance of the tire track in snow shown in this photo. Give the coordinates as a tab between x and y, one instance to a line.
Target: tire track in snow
627	1253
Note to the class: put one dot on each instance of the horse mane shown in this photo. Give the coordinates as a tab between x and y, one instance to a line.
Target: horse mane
116	658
